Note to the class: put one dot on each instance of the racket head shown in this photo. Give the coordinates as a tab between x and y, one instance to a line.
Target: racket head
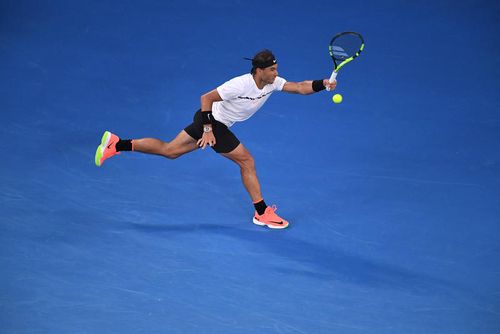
344	47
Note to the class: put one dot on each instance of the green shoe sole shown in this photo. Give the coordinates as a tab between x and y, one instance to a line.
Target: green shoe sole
98	156
98	152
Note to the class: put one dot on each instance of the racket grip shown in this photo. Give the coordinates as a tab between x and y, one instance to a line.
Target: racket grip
333	77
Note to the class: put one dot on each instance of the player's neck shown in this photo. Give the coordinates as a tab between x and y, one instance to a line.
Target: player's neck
259	82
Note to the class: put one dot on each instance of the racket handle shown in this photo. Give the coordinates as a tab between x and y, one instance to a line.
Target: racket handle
333	77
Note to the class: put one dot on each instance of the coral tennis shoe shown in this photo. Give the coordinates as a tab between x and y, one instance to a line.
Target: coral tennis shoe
107	148
270	219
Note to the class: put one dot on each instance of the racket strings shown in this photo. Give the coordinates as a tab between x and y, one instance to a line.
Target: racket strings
345	46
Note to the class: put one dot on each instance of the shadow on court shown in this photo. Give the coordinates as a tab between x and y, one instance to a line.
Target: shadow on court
323	262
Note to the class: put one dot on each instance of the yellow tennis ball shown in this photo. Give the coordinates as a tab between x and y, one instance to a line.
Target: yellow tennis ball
337	98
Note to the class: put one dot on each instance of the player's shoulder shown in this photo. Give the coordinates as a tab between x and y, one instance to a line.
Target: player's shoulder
240	80
279	82
280	79
233	87
244	78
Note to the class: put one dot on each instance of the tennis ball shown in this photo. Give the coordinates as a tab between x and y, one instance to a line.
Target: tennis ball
337	98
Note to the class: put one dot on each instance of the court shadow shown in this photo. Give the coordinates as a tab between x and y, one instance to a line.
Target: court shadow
317	261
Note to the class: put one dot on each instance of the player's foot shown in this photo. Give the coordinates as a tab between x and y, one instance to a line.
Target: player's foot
107	148
270	219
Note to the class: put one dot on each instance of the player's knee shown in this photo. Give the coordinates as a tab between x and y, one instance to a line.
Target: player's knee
172	156
170	153
248	163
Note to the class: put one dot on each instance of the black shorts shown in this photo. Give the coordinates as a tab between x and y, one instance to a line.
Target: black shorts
225	140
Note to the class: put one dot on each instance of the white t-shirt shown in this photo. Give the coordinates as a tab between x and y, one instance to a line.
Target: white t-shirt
242	98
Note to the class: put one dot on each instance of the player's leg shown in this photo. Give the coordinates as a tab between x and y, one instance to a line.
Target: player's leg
264	215
185	142
245	161
111	145
230	147
182	144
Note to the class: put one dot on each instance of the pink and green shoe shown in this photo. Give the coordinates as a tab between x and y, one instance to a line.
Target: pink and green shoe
107	149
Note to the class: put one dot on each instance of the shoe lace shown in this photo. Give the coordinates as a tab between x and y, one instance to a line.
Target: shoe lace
273	214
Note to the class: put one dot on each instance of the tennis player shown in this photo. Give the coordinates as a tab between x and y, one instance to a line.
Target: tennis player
234	101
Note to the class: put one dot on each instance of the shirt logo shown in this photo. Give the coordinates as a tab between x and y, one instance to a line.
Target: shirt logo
254	98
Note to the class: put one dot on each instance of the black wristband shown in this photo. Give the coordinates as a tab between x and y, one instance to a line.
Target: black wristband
206	116
317	85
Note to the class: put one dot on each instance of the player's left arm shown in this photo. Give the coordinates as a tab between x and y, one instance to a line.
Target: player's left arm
308	86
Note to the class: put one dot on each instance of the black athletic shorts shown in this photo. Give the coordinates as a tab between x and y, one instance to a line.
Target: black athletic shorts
225	140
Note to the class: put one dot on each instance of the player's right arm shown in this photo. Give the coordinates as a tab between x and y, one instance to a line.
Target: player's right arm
207	101
306	87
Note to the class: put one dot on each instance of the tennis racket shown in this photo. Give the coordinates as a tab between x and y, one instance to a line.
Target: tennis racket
344	47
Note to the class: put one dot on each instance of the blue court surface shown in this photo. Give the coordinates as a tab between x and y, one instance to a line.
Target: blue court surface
393	196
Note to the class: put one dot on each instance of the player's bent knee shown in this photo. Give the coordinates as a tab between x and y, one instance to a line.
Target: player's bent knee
169	153
247	163
172	156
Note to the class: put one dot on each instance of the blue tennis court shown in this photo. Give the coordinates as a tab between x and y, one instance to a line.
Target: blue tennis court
393	196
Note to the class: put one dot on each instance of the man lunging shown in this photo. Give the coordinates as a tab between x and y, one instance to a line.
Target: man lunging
234	101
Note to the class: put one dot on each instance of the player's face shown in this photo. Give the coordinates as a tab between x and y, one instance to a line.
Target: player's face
269	74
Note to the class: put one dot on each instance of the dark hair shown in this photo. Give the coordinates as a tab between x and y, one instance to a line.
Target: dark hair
262	59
